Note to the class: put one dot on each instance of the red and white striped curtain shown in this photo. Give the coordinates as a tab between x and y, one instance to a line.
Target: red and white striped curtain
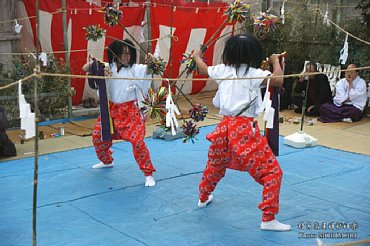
192	24
191	27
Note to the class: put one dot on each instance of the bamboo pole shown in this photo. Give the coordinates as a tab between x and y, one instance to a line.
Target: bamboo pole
67	56
148	23
36	148
171	40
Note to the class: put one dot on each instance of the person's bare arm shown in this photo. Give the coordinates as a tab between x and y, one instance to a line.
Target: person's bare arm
276	71
202	66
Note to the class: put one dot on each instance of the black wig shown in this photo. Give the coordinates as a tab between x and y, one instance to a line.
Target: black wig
242	49
116	48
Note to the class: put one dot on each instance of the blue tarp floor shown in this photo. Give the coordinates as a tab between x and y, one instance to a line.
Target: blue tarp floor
78	205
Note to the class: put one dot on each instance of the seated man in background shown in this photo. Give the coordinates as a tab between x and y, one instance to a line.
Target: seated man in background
7	148
319	91
286	91
349	101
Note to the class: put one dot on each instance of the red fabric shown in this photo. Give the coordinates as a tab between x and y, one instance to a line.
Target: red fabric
184	20
128	126
131	16
236	146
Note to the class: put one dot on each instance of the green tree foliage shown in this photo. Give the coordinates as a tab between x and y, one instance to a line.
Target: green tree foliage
305	36
364	5
52	91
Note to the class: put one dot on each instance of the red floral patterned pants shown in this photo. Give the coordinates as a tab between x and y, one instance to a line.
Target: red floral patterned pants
237	146
128	126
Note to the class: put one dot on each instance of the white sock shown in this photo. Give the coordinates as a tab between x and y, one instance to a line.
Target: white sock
275	225
149	181
102	165
203	204
348	120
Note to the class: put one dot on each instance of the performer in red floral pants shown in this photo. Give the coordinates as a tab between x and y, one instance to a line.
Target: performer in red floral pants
128	126
123	114
236	141
236	145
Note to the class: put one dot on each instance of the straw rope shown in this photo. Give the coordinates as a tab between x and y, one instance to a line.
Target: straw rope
97	8
42	74
340	28
29	17
175	38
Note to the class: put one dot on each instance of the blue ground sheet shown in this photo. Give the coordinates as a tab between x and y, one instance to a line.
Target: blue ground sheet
325	193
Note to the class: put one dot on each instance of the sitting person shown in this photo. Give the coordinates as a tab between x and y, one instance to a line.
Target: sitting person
286	92
349	101
319	91
7	148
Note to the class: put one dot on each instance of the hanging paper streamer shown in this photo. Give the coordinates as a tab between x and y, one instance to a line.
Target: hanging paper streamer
155	103
326	19
44	59
27	117
198	112
237	11
344	52
142	28
282	13
155	65
172	110
265	23
271	3
190	130
17	27
112	14
94	32
269	110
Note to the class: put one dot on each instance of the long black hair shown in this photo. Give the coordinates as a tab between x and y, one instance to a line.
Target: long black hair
242	49
115	51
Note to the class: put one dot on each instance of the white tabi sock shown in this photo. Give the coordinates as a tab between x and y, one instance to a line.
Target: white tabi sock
203	204
275	225
149	181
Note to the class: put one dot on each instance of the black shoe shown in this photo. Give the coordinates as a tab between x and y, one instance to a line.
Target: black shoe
86	103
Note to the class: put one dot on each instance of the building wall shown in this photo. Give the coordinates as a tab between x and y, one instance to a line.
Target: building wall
9	39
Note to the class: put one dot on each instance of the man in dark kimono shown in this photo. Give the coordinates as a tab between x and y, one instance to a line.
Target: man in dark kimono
319	91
